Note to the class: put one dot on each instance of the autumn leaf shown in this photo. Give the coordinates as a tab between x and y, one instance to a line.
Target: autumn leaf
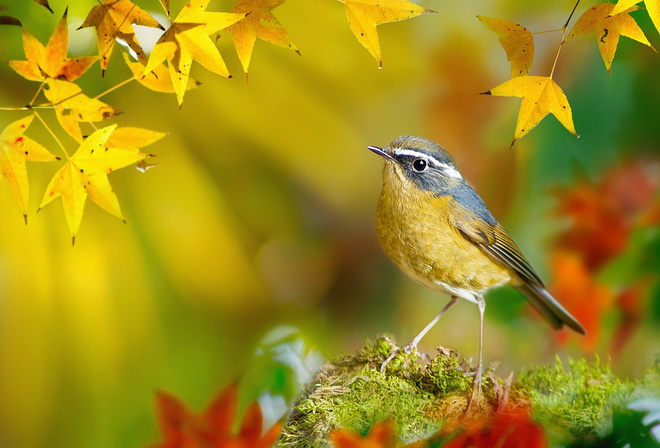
15	149
364	15
44	3
517	41
86	174
608	28
575	287
652	8
50	61
72	106
114	19
8	20
602	215
540	96
512	428
381	435
182	428
158	80
258	23
187	39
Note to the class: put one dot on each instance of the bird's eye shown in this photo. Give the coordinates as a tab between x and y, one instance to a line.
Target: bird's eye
419	164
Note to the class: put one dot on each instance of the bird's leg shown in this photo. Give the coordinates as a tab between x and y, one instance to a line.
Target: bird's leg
413	344
476	386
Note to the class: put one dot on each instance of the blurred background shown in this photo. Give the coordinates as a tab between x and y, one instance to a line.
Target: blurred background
250	254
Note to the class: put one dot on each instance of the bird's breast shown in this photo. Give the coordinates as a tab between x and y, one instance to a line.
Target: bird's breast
416	232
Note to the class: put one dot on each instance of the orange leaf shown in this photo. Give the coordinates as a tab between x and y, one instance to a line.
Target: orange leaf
602	215
631	303
508	429
540	96
608	28
258	23
15	149
182	428
115	19
517	41
364	15
72	106
574	286
381	435
50	61
187	40
85	173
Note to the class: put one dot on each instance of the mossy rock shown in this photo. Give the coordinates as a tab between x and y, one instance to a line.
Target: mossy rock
573	404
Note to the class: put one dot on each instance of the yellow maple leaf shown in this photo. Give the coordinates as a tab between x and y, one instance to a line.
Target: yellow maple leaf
540	96
258	23
608	28
652	8
86	174
15	149
517	41
187	39
72	106
115	19
158	80
50	61
364	15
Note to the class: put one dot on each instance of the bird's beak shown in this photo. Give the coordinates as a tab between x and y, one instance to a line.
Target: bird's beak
381	152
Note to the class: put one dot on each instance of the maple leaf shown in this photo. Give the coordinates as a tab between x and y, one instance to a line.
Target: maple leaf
381	435
15	149
364	15
72	106
512	428
50	61
608	28
540	97
182	428
8	20
258	23
187	39
158	80
114	19
45	4
602	215
652	8
517	41
86	174
586	299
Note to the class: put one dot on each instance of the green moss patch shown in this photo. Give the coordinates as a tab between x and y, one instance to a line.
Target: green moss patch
574	403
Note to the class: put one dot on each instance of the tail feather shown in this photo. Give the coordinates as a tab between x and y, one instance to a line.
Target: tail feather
552	310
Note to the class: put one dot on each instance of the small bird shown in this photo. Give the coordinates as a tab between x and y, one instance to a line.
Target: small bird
439	232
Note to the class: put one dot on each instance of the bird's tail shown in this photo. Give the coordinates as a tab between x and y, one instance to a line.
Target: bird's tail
549	307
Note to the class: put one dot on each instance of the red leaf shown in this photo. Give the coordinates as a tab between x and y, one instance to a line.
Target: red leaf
182	428
510	429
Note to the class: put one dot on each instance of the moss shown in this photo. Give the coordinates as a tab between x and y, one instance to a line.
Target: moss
573	403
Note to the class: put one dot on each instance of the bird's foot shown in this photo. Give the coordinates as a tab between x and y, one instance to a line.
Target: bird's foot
408	349
476	388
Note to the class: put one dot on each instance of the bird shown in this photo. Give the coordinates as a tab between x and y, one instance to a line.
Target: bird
436	228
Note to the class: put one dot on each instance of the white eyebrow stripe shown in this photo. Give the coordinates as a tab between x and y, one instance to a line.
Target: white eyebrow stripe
448	169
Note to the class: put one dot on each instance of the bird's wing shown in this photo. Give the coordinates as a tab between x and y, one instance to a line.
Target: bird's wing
494	240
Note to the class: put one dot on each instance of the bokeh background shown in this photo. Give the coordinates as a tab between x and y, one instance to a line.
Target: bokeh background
249	253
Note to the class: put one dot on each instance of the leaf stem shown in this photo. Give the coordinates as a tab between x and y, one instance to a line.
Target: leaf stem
132	78
34	98
547	31
563	34
50	131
